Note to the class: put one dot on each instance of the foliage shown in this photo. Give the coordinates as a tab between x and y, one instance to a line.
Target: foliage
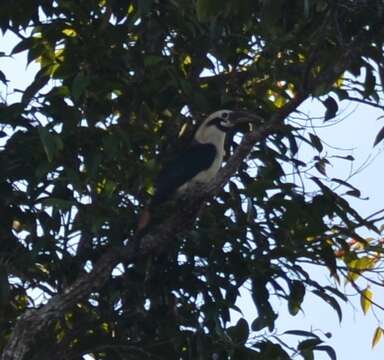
87	137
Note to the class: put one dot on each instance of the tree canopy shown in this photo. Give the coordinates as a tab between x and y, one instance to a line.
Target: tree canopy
121	86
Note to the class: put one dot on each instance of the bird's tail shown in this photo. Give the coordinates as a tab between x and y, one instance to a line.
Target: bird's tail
144	219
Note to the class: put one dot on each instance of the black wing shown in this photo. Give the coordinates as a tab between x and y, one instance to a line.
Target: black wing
184	167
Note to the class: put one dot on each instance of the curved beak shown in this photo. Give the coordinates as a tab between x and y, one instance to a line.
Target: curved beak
239	117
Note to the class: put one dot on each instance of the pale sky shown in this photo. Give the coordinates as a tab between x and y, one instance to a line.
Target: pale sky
352	338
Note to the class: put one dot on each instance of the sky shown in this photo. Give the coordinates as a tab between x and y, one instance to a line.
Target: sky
355	134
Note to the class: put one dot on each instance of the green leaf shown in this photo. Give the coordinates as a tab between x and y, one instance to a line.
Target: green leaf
206	9
152	60
145	6
52	142
79	85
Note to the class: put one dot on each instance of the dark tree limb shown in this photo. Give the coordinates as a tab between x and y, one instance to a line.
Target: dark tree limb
33	322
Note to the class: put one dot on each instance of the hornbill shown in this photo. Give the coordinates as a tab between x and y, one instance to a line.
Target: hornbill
200	162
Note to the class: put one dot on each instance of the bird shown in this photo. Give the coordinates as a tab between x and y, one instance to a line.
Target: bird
199	162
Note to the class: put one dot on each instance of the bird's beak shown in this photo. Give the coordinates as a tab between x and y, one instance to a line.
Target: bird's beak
239	117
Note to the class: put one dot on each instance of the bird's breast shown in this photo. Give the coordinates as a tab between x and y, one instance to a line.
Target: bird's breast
205	175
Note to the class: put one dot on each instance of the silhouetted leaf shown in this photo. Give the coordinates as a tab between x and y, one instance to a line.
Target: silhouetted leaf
330	301
296	296
330	351
379	137
240	332
301	333
316	142
332	108
3	78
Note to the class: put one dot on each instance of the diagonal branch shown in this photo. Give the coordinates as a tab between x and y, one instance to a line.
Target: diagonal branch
33	322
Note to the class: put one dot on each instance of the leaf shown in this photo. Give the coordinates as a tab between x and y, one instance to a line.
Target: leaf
331	353
206	9
379	137
366	299
370	82
3	78
152	60
23	45
145	6
309	344
332	108
240	332
348	157
4	286
353	192
52	142
40	81
330	301
202	10
296	297
320	167
377	336
79	85
316	142
300	333
357	266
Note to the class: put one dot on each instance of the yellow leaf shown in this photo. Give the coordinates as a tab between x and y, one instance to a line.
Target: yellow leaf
366	299
358	266
100	186
69	32
105	327
16	225
339	82
187	60
377	336
279	101
310	238
183	129
301	57
42	268
60	336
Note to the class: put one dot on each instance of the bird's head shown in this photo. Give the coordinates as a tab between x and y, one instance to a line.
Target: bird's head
217	124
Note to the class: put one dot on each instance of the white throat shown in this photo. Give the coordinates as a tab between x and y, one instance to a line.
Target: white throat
210	135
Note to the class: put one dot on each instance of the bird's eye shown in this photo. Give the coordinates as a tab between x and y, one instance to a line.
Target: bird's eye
224	115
